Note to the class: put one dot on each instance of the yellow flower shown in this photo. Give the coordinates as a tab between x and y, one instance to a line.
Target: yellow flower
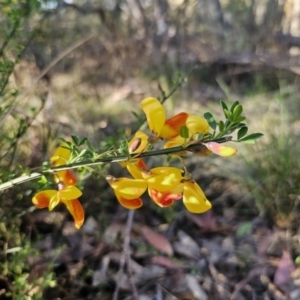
194	125
156	118
61	157
168	184
67	195
128	191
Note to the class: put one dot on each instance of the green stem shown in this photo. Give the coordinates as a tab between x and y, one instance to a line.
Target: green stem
104	160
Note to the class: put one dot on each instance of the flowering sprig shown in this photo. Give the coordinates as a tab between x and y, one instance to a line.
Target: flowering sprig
182	134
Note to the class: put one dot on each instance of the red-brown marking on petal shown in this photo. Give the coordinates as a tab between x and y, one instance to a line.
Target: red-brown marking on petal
141	164
164	199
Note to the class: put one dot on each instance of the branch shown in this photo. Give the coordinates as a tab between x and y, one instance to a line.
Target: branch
104	160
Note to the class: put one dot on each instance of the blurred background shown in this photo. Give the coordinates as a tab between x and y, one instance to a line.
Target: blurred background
82	68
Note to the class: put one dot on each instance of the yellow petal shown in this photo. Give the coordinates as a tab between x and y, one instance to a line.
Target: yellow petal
220	149
69	193
76	210
172	126
66	176
196	124
139	143
164	179
155	114
61	155
42	199
129	203
129	188
194	198
134	170
174	142
54	201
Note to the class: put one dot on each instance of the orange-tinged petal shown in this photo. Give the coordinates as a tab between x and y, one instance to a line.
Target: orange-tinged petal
42	199
141	164
139	143
220	149
174	142
166	181
129	203
129	188
194	198
172	126
76	210
69	193
155	114
65	176
61	155
196	124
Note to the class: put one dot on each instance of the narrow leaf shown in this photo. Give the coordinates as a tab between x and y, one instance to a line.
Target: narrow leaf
242	132
224	106
89	145
250	137
239	119
221	126
82	141
228	114
237	111
233	106
75	139
211	120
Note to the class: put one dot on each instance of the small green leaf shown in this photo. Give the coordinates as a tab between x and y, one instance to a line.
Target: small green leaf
239	119
82	141
43	180
75	139
89	145
237	111
242	132
221	126
184	132
233	106
224	106
228	114
250	139
211	120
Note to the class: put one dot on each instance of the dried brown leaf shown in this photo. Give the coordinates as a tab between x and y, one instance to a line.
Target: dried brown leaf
157	240
206	221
